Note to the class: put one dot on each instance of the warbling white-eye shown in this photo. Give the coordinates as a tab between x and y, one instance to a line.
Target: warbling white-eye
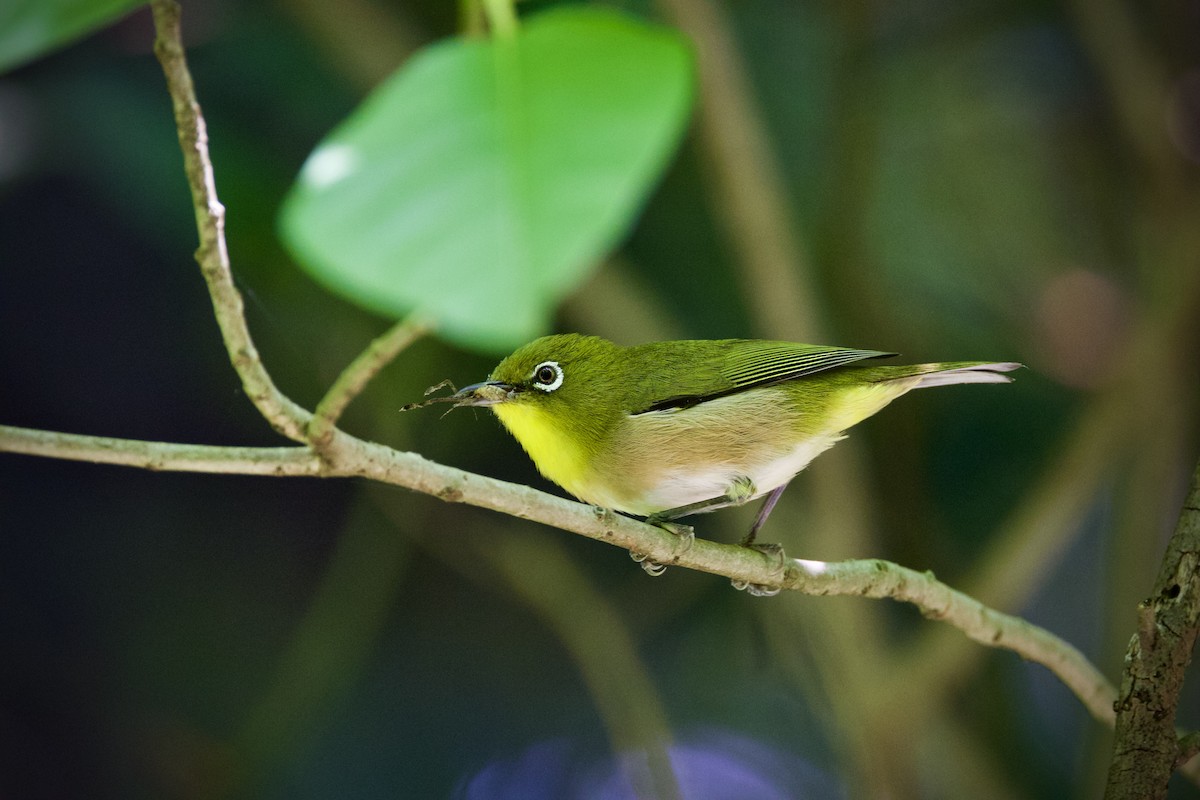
668	429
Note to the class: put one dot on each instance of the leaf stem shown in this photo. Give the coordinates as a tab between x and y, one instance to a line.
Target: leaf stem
502	17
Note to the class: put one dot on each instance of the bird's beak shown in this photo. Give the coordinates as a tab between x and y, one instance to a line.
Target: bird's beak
488	393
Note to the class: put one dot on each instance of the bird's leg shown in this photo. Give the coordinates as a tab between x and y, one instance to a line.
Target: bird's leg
739	491
767	549
686	535
767	507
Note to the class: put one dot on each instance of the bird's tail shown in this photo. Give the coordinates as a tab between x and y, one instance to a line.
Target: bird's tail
953	372
869	389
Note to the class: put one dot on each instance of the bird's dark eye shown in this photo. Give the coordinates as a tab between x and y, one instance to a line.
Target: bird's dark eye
547	376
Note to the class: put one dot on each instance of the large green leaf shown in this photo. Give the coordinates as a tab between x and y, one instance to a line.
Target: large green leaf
484	179
29	28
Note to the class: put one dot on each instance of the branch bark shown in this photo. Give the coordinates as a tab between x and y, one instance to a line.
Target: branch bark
1146	749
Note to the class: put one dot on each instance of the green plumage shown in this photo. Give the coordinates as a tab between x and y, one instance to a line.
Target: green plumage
680	373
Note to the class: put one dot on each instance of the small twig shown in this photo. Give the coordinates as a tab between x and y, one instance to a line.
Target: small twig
213	255
359	373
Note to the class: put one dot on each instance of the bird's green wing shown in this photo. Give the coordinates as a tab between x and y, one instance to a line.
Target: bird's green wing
719	368
756	363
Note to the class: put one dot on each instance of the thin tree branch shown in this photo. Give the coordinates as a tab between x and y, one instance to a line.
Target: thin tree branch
213	255
162	456
1029	542
1146	748
358	374
878	579
348	456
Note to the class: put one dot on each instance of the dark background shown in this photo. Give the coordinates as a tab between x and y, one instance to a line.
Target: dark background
985	180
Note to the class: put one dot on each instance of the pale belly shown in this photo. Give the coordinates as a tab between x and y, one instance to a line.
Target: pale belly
681	486
669	459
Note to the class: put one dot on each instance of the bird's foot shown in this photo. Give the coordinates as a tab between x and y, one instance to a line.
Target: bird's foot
773	551
686	535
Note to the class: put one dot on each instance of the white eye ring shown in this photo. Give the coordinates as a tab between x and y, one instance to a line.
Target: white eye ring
547	376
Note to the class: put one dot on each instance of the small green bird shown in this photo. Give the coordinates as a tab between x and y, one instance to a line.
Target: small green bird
668	429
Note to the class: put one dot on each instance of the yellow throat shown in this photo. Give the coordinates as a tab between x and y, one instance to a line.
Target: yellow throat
557	454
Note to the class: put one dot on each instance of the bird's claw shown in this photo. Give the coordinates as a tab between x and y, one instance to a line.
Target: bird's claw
775	552
686	535
652	568
756	589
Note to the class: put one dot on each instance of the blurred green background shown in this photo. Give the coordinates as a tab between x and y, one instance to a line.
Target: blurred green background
982	180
